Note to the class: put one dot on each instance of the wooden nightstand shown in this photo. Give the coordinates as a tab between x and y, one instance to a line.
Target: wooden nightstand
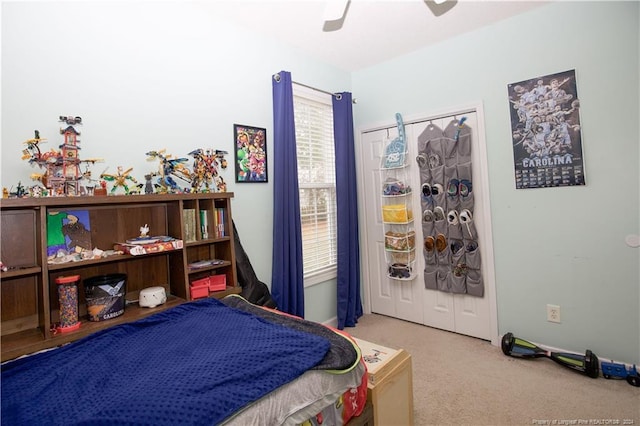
390	384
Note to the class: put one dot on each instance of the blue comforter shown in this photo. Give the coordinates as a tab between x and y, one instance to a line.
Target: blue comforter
196	363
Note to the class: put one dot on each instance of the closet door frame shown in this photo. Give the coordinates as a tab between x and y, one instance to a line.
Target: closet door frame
487	253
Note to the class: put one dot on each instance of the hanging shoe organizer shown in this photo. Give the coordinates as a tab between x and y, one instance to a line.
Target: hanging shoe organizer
397	211
450	247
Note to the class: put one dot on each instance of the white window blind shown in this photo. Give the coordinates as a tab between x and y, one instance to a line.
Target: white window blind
313	114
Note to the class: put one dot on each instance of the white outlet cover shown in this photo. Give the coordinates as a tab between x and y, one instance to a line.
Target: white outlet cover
553	313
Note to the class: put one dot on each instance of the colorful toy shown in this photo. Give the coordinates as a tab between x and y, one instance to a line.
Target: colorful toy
149	186
90	184
205	169
170	167
62	175
20	191
119	180
612	370
520	348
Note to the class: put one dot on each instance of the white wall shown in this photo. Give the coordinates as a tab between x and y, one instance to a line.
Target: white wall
562	246
144	76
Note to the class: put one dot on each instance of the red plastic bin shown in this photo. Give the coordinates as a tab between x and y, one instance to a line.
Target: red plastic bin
217	282
199	288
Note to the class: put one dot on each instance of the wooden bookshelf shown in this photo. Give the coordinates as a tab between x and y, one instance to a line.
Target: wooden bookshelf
28	291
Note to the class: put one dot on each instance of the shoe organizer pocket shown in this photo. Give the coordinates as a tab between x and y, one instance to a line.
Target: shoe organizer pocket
430	278
472	254
464	171
453	203
430	257
464	145
425	175
455	231
428	229
458	255
441	226
440	199
444	257
426	203
441	279
450	173
475	286
466	202
468	230
457	284
450	152
437	175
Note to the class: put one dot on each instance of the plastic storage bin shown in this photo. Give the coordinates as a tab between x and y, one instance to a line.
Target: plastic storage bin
105	296
396	213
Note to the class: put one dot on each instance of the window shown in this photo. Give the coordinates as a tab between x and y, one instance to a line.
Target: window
313	114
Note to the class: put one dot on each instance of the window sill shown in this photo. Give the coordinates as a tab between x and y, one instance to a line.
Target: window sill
320	277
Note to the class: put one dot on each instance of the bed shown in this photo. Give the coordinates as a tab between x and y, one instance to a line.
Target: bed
205	362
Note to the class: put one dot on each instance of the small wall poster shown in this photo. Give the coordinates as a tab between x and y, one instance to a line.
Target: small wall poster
545	131
250	153
68	231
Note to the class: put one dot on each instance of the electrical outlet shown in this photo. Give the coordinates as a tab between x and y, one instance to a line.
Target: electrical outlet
553	313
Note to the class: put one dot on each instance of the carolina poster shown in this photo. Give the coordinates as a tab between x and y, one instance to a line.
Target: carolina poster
545	131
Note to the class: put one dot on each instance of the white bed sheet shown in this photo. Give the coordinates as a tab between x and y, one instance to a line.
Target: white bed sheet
299	400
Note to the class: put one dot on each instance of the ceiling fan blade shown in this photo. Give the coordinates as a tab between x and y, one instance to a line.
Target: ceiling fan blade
440	7
335	9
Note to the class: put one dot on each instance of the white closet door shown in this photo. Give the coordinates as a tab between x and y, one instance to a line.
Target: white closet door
399	299
460	313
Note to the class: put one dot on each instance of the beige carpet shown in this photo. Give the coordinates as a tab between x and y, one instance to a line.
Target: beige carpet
459	380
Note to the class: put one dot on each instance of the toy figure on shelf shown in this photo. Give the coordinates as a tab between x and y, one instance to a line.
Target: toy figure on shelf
119	180
205	168
89	187
71	120
36	191
221	184
68	175
20	191
62	174
34	155
170	167
149	186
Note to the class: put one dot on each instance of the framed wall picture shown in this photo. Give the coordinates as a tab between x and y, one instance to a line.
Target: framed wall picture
250	153
546	131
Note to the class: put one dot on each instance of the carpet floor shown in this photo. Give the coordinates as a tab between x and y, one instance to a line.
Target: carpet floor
460	380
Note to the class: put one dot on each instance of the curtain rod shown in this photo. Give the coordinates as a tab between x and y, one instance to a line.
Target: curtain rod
425	120
337	95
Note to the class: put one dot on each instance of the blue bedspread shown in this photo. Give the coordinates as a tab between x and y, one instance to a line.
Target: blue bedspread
196	363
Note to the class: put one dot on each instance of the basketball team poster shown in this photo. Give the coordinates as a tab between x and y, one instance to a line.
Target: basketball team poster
545	131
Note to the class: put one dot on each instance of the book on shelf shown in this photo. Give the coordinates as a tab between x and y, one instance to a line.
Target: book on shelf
218	222
204	224
205	263
189	221
140	249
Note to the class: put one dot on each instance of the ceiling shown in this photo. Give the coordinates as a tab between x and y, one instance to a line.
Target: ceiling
372	31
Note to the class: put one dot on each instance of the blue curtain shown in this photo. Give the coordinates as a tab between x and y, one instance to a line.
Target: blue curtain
287	285
348	281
